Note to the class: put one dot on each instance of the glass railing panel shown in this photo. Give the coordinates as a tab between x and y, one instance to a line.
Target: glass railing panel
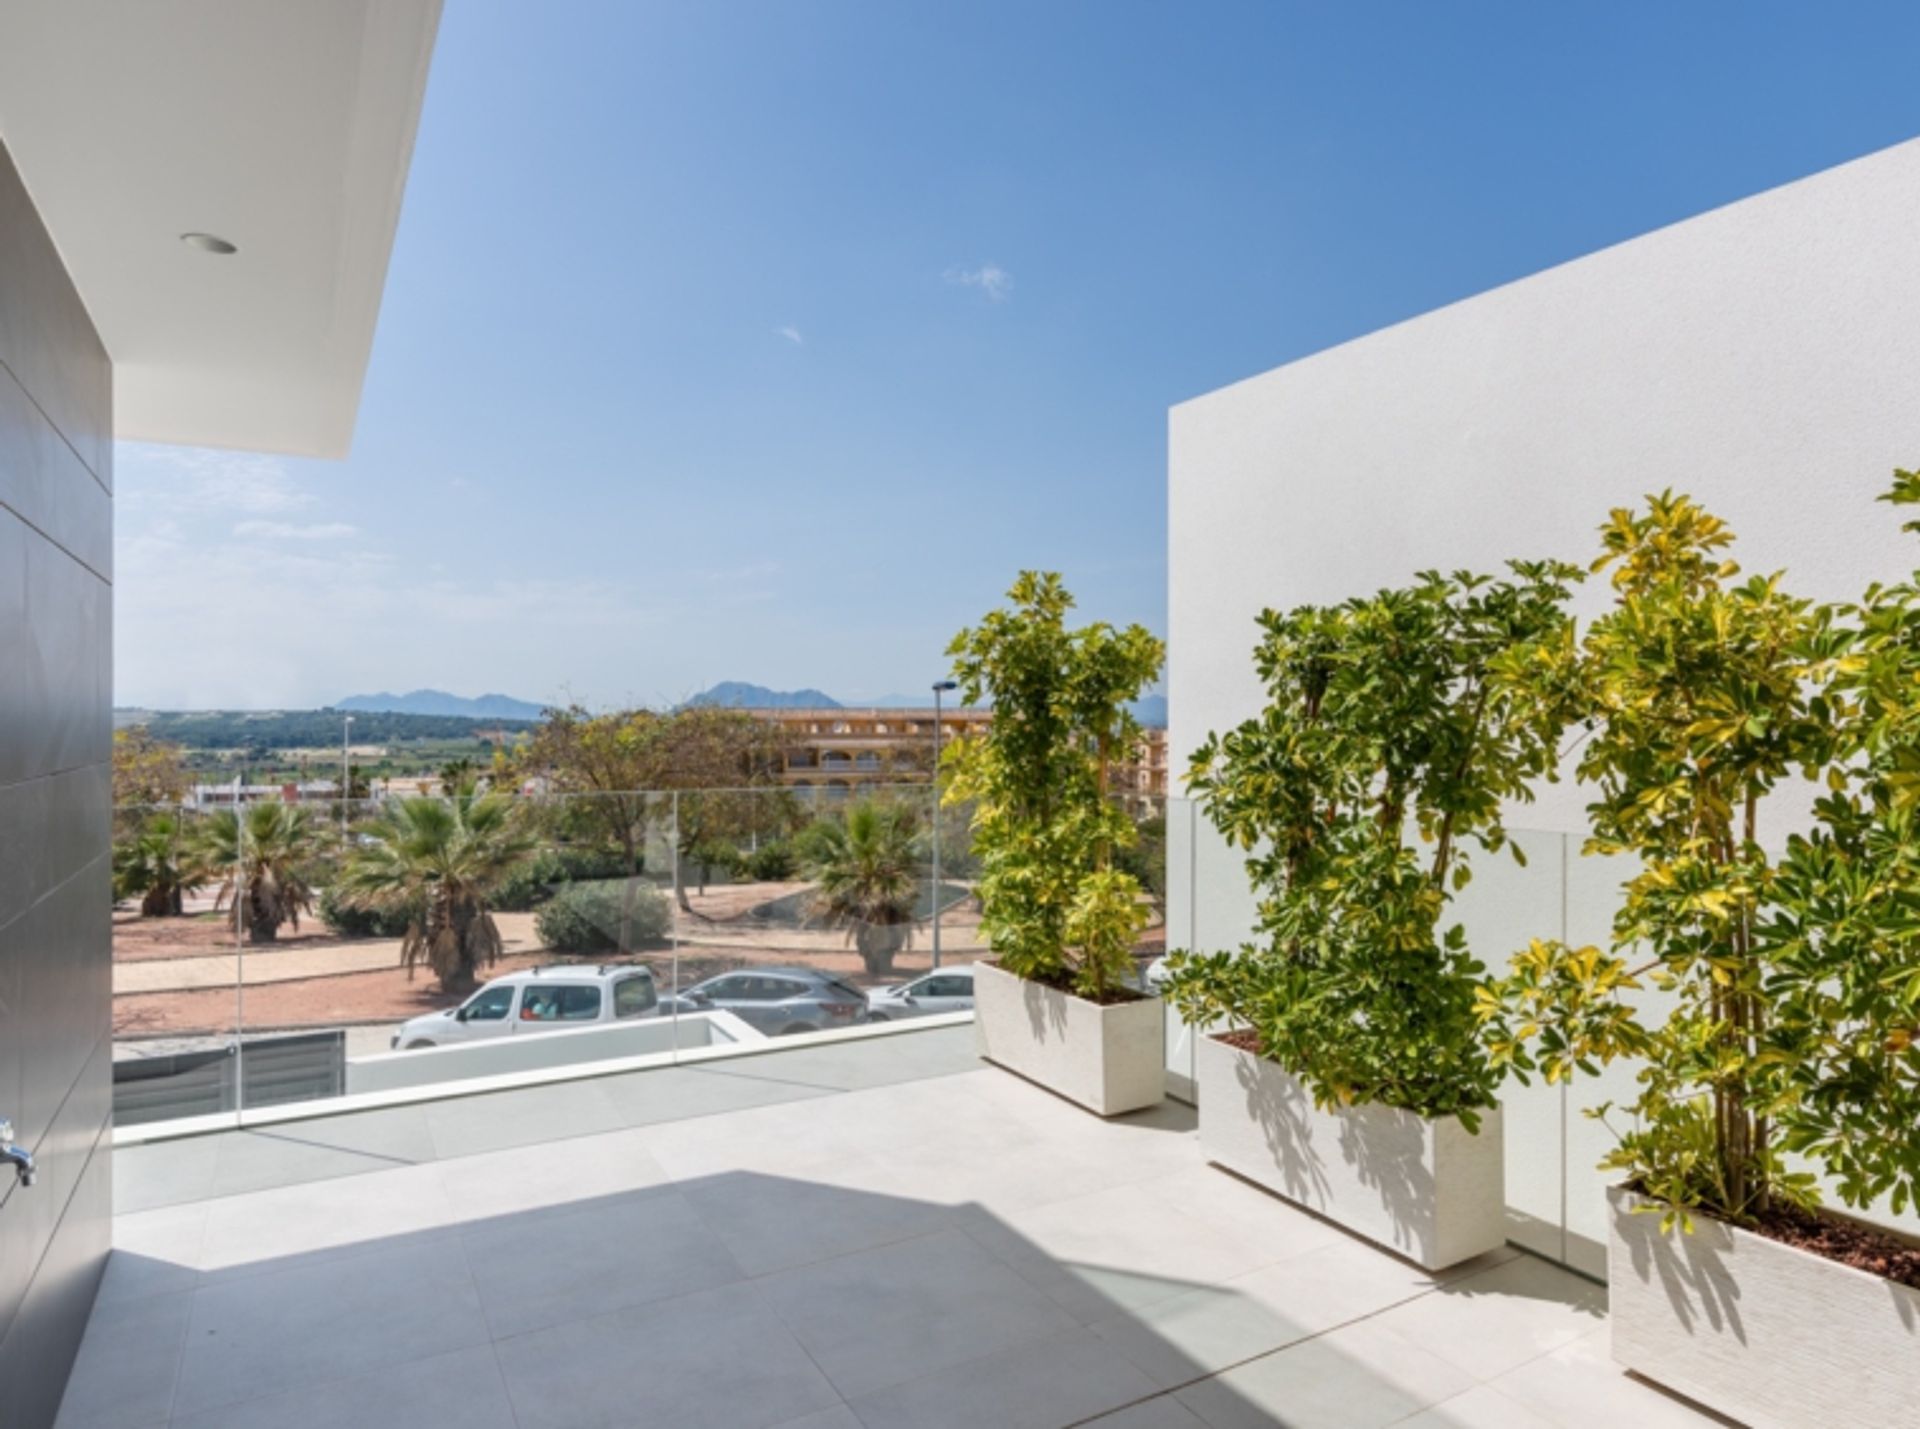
176	1002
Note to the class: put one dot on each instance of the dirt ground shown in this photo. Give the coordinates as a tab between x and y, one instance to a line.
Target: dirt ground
721	934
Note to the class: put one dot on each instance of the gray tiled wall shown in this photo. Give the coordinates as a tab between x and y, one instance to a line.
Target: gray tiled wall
56	612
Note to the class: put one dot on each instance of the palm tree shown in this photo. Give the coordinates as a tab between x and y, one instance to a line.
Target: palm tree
159	865
867	871
263	856
440	861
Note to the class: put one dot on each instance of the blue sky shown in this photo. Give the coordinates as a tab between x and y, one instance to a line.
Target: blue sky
768	341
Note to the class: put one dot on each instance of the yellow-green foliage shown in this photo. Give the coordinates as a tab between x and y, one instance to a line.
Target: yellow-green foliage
1044	826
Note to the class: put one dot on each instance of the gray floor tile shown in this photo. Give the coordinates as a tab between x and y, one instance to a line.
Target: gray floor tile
128	1364
287	1153
1356	1377
1482	1407
163	1173
552	1179
1501	1318
350	1215
612	1254
715	1358
903	1311
464	1126
154	1253
461	1390
839	1417
774	1222
1165	1412
1060	1379
292	1329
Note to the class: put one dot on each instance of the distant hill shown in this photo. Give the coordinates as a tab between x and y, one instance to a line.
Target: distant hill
439	702
737	694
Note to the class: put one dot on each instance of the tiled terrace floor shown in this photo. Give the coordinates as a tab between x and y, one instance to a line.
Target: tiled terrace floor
958	1249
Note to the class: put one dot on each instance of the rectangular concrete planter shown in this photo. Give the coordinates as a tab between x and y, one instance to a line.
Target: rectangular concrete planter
1429	1190
1109	1059
1769	1334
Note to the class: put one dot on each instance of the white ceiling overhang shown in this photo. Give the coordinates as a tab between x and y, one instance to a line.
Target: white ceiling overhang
283	126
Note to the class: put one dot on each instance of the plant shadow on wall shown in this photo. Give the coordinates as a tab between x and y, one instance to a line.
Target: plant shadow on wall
1794	980
1379	764
1048	834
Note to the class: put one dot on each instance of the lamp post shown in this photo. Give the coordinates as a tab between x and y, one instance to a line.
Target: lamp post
940	688
346	774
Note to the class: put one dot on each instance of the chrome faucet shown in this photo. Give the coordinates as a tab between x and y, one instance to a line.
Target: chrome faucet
17	1157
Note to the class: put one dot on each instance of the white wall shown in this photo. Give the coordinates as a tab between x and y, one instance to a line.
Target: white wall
1764	357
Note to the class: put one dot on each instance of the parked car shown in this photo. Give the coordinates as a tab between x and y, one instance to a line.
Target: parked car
943	990
777	1000
550	999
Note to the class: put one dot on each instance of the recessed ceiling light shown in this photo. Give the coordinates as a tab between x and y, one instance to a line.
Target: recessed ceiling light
207	243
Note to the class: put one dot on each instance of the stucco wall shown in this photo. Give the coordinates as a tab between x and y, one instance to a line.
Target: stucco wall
1764	357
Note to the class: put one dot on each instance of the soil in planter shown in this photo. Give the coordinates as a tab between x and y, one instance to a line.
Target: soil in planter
1863	1247
1113	997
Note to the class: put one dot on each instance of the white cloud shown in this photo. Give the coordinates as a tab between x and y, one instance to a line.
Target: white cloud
791	334
289	531
990	278
186	479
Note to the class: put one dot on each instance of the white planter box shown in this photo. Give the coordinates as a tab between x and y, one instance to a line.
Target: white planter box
1767	1333
1109	1059
1429	1190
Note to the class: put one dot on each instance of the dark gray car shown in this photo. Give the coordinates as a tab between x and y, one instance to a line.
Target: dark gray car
777	1001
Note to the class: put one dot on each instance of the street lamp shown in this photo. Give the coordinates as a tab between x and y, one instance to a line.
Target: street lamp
346	774
940	688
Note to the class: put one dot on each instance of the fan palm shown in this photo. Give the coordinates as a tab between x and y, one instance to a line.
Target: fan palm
440	861
262	854
866	868
160	864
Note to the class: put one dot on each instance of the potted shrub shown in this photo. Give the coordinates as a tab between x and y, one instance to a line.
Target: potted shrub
1057	1002
1345	1068
1789	1046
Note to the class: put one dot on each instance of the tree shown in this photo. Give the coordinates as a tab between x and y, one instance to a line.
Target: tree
619	766
264	854
866	868
440	861
1702	693
147	770
159	864
1385	751
1045	827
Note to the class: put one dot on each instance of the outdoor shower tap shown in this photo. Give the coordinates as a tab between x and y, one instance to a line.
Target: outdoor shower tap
17	1157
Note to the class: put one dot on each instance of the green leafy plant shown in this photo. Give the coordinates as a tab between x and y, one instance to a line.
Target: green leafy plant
866	872
159	863
1701	692
265	855
351	920
439	860
1045	829
549	872
613	915
1386	748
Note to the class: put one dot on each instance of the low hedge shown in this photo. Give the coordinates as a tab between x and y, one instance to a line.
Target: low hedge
350	922
535	881
585	917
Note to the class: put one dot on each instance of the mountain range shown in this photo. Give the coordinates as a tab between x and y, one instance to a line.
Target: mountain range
738	694
730	694
439	702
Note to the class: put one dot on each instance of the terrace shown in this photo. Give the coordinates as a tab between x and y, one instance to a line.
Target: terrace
876	1231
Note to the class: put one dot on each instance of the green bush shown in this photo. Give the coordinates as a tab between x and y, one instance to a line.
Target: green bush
535	881
773	862
351	922
586	917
